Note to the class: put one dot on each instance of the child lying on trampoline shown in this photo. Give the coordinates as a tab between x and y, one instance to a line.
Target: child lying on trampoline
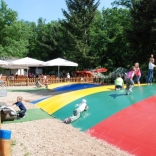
77	112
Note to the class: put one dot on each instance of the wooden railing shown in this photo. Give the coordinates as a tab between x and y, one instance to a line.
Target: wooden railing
24	81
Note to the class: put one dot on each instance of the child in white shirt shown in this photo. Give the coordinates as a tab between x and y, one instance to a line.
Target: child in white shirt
76	113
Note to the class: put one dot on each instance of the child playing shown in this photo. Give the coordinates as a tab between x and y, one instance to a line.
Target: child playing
45	78
21	106
150	71
137	73
129	80
68	77
76	113
38	83
119	83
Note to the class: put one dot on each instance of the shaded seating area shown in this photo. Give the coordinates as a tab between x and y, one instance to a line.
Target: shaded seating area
24	81
25	78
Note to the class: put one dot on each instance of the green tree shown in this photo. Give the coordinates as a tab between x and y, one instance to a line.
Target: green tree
51	40
108	37
13	34
115	22
76	26
33	46
142	34
98	35
36	50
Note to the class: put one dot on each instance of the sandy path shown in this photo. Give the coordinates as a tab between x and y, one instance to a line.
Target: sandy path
50	137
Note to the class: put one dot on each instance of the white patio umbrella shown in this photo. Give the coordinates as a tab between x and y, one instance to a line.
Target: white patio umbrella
60	62
13	67
28	62
3	62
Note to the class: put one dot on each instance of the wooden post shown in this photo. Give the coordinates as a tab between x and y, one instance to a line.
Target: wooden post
5	145
27	81
0	120
5	135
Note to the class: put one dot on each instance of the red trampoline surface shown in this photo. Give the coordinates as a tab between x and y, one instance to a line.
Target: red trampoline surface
132	129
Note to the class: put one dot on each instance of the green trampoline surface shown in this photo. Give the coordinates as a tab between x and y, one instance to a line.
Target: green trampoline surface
102	105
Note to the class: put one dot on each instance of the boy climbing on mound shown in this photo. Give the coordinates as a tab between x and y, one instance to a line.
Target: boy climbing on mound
119	83
21	113
77	112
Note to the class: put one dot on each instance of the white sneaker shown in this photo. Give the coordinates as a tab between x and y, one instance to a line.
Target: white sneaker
24	115
130	90
127	93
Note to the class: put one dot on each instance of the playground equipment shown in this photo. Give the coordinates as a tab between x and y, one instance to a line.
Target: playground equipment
84	73
38	84
7	113
100	70
90	73
5	135
119	70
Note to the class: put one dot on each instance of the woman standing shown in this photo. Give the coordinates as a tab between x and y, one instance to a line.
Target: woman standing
150	71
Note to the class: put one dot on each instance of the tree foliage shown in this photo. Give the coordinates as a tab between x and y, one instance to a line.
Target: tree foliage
110	38
76	26
13	34
142	33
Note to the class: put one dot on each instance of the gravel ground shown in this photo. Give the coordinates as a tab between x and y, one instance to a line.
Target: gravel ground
50	137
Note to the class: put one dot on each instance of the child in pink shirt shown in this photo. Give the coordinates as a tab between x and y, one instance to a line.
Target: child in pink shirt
137	73
129	80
